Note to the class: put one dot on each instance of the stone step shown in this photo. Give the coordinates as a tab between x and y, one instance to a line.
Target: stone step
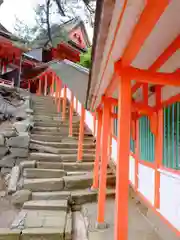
84	181
50	157
44	233
43	173
54	124
41	224
51	205
63	145
68	167
56	118
59	129
77	182
72	167
49	149
57	138
57	195
48	138
44	184
61	132
73	157
82	196
9	234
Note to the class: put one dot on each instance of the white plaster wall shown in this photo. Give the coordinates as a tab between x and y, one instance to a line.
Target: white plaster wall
146	183
114	150
132	170
170	198
89	120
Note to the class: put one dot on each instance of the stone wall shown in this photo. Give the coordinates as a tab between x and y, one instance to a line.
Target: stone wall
14	135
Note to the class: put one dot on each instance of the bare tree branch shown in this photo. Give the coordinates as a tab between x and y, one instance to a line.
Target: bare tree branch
47	20
60	8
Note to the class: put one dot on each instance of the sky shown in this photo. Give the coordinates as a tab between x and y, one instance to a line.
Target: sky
23	10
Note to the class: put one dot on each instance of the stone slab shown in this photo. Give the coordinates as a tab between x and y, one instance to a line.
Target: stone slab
3	150
68	227
9	234
60	205
42	233
41	148
45	157
47	138
43	173
2	140
49	165
21	141
21	196
73	157
77	182
19	152
28	164
7	161
81	166
56	195
12	185
44	184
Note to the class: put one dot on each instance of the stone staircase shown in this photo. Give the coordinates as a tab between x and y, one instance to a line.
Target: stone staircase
53	184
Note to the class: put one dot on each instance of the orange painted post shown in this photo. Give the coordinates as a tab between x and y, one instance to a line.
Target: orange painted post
71	115
137	155
158	148
122	166
39	88
64	103
104	161
45	85
98	149
57	89
81	135
52	86
59	96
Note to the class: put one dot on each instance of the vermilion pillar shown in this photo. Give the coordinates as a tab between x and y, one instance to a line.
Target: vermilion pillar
57	89
137	157
59	95
81	135
39	87
71	115
104	161
98	149
158	147
45	85
52	86
122	166
64	103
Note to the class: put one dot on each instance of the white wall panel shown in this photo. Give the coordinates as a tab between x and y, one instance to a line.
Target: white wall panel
146	176
170	198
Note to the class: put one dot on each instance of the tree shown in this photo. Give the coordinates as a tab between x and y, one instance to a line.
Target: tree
85	59
64	9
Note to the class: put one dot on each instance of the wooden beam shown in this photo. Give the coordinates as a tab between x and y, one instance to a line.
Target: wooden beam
147	76
113	101
148	19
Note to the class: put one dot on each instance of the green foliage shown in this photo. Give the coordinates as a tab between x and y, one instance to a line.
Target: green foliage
85	59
